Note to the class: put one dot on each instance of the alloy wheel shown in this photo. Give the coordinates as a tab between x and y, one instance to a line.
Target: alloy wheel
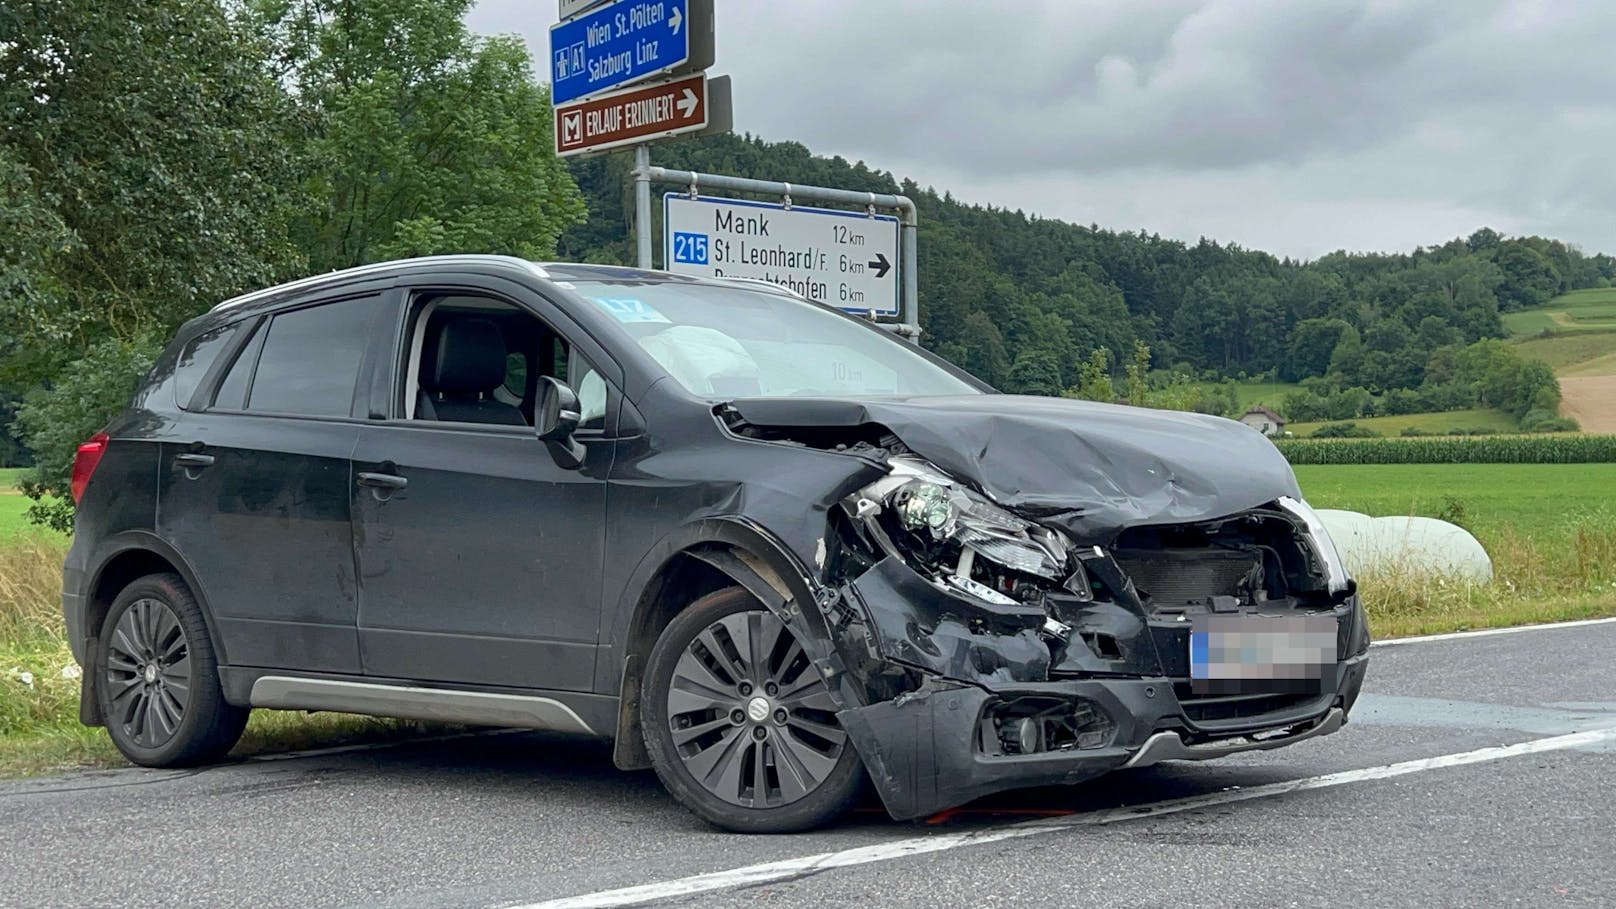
751	717
148	674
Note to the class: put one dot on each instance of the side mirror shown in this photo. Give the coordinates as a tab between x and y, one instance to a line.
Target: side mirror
556	418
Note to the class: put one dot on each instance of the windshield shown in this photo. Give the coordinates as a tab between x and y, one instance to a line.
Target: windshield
734	342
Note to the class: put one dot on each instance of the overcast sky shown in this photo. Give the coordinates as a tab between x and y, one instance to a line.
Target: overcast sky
1297	127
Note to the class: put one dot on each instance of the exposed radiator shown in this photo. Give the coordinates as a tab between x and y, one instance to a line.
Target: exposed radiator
1171	577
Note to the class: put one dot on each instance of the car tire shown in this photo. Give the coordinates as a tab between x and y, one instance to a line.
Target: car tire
157	678
749	745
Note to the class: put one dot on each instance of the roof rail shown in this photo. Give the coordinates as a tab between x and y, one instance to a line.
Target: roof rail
359	271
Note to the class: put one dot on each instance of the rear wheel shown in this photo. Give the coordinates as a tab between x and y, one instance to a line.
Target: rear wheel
158	680
740	725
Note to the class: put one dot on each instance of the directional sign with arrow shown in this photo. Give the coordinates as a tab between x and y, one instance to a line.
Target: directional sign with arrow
694	104
843	258
618	44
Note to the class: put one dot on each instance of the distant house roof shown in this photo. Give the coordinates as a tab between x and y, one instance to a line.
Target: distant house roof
1261	411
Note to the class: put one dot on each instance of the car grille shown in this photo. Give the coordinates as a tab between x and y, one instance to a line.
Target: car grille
1200	708
1178	576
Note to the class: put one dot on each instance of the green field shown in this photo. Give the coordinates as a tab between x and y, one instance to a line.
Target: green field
1271	394
14	505
1550	530
1438	423
1536	499
1588	310
1567	352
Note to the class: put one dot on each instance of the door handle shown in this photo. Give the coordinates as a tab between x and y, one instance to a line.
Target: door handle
382	480
192	460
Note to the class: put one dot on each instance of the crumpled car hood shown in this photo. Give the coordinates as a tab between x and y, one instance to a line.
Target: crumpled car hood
1090	469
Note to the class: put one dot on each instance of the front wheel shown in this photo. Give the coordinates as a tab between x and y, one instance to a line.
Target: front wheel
740	724
158	679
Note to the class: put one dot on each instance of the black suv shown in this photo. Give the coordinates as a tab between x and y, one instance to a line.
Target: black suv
767	548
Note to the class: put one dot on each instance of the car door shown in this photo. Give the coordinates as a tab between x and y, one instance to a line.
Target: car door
254	487
479	556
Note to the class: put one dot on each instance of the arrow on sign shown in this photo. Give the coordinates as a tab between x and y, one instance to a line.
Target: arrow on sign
675	20
687	103
881	265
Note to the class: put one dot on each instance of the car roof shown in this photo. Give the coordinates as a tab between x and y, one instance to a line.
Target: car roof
546	271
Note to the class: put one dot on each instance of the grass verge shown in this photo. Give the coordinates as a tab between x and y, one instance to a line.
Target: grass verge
1549	528
39	683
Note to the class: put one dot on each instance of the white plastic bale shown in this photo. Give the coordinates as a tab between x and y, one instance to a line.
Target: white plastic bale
1397	543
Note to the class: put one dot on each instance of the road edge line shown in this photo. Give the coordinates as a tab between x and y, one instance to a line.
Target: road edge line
770	872
1489	632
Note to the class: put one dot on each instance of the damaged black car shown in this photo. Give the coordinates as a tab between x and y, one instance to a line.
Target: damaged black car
766	548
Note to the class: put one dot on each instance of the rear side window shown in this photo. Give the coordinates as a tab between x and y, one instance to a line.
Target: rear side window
232	392
195	359
310	359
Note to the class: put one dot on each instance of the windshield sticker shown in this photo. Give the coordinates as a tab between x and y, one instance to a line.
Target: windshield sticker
628	309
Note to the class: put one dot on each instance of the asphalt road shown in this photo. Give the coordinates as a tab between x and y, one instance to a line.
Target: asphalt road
1414	803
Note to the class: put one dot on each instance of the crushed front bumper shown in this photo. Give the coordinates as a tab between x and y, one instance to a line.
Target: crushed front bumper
923	749
934	747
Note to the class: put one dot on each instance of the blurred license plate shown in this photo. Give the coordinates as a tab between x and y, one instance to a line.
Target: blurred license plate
1237	654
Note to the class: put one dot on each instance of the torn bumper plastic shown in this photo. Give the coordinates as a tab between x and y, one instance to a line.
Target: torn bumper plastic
924	751
986	669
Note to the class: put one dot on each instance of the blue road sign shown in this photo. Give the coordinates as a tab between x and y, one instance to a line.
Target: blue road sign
622	42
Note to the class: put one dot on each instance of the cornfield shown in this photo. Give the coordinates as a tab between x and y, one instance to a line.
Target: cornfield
1524	449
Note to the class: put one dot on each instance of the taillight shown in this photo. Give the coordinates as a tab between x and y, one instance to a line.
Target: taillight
84	462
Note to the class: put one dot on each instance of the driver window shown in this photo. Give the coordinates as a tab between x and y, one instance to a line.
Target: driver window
478	359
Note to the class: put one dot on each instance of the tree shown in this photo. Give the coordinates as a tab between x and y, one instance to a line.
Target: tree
144	175
1094	378
983	352
1034	372
421	138
152	138
1529	277
1347	359
1312	343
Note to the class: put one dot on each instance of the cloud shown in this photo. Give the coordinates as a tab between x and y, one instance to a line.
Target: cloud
1298	127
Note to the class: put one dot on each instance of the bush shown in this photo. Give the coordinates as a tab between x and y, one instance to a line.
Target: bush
54	420
1540	449
1344	431
1401	401
1544	420
1411	431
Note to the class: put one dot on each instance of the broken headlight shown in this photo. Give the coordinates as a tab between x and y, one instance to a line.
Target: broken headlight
956	537
954	514
1335	571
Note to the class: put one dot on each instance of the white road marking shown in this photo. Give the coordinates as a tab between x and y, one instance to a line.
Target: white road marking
1486	632
863	855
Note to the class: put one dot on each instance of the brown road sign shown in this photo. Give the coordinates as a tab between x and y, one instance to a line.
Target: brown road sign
675	108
